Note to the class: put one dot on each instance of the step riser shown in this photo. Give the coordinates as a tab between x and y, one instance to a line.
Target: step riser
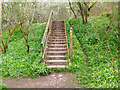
55	58
56	63
56	53
57	43
57	32
57	46
56	29
57	35
56	49
56	38
53	40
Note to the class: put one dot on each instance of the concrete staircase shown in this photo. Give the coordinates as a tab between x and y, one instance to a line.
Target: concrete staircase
57	46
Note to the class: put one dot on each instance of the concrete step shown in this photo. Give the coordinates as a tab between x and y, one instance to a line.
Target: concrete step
57	38
57	66
57	35
57	42
57	45
57	49
63	29
56	32
57	52
57	29
57	62
55	57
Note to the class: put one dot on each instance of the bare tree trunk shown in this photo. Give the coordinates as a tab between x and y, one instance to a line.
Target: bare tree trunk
24	30
81	12
72	9
86	15
0	27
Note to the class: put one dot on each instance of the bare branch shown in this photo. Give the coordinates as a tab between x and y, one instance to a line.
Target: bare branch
72	9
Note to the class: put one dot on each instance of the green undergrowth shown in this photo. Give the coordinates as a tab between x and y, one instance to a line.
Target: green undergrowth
99	72
3	86
16	62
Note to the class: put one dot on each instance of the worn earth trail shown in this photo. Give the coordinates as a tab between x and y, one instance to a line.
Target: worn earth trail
54	80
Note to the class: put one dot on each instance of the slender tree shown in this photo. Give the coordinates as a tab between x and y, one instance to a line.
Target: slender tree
24	29
0	26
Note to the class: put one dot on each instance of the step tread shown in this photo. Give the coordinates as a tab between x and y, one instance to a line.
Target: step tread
56	44
57	66
55	56
57	39
57	52
57	48
57	61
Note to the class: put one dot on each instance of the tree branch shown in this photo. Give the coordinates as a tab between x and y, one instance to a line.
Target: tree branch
72	9
12	33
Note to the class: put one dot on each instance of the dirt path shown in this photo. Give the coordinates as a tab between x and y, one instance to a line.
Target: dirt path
54	80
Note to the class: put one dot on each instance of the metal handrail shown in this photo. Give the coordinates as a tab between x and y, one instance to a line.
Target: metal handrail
45	36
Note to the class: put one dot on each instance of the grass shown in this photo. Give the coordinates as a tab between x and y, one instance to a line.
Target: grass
100	72
16	62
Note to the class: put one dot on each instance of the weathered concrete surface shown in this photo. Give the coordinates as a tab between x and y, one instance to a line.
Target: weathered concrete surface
54	80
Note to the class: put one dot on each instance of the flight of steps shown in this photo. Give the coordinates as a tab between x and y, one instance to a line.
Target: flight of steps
57	46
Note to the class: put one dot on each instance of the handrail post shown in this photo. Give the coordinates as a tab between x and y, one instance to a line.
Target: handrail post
70	41
42	50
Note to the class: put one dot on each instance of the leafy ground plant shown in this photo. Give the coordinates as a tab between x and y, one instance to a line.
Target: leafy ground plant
16	62
99	72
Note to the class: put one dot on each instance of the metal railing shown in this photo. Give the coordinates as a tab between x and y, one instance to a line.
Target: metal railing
45	36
